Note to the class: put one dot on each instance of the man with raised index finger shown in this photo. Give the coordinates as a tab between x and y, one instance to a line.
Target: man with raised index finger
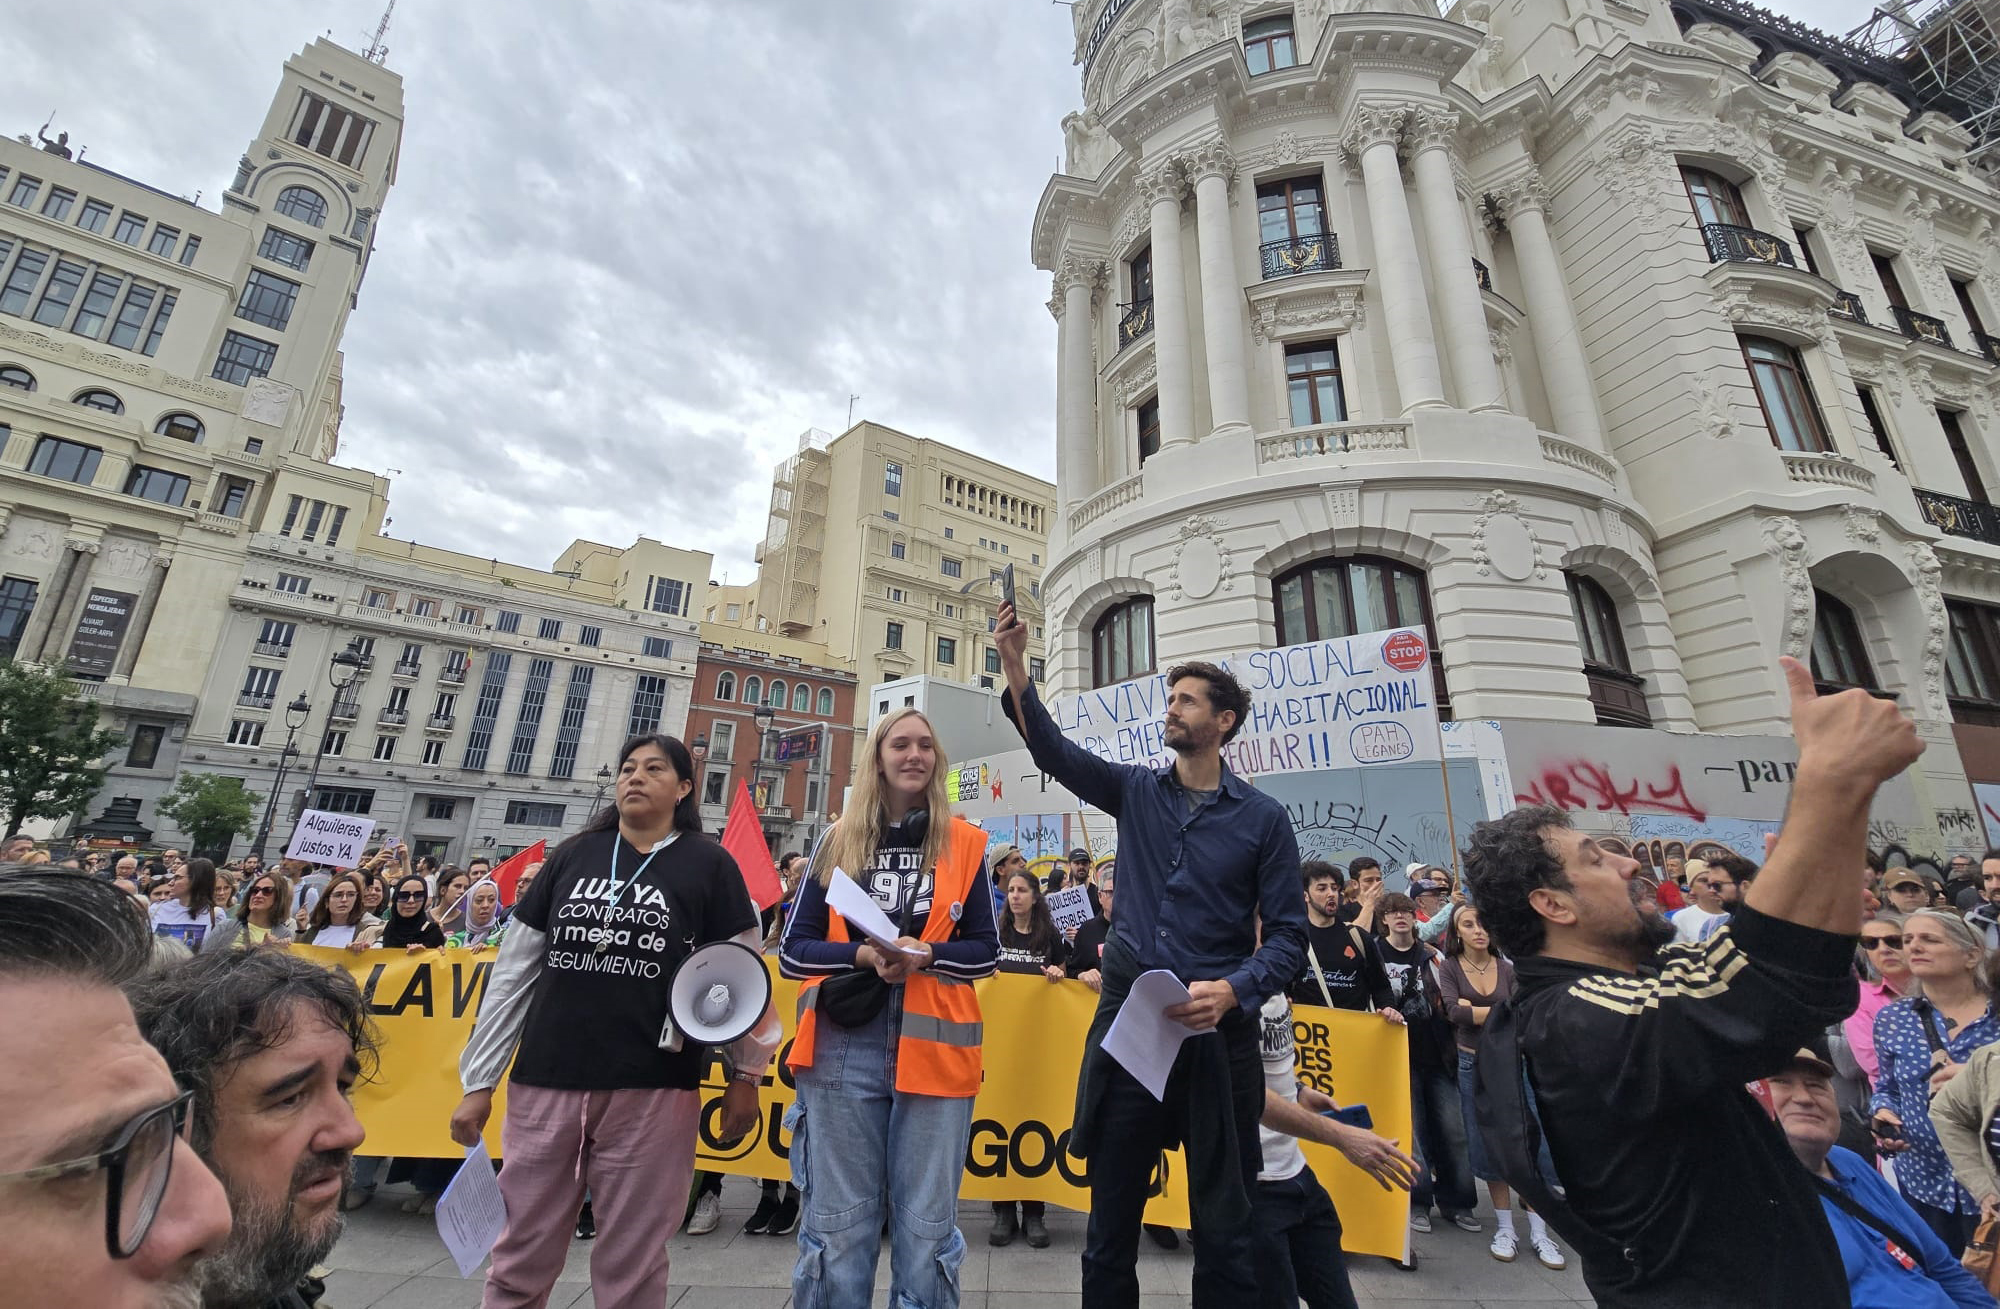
1628	1056
1200	854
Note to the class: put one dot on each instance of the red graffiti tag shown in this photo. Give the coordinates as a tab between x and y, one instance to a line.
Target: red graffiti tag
1583	785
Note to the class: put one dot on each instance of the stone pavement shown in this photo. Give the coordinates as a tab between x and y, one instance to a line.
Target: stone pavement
393	1260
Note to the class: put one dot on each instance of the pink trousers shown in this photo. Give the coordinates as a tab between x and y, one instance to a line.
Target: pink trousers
633	1150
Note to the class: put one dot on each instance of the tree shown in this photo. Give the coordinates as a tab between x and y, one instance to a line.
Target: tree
52	755
211	808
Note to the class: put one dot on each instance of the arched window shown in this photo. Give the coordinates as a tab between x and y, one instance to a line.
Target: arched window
182	427
802	698
1328	598
725	687
1121	642
101	400
17	377
776	698
753	690
1784	393
302	203
1839	654
825	700
1618	694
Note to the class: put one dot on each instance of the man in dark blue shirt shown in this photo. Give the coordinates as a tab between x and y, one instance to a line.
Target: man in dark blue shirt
1201	855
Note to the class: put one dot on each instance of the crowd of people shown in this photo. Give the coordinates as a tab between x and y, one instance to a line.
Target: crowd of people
1739	1084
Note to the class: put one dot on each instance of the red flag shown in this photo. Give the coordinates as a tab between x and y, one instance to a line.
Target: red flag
509	873
743	837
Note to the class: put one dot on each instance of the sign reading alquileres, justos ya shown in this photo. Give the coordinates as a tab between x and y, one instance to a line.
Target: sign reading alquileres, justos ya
324	838
1349	702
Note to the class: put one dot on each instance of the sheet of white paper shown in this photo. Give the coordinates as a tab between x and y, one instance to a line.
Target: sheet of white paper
847	899
470	1213
1142	1037
1070	908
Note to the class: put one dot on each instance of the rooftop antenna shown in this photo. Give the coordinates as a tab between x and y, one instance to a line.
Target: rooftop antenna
377	52
850	409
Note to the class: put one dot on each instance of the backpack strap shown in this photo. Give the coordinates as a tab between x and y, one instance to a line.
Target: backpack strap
1853	1208
1319	975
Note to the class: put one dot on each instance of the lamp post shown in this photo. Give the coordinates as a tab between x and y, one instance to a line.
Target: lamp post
345	667
296	714
603	780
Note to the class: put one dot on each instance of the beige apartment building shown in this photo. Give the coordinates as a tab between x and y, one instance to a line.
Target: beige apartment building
887	549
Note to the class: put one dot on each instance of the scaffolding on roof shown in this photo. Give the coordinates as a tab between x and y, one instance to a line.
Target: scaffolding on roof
1949	51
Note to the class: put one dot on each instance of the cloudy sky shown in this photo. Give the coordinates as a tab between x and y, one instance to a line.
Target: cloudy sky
638	246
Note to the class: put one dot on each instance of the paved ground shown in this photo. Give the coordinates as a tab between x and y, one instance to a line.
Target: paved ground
392	1260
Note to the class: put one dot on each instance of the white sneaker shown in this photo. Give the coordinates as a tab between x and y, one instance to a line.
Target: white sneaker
707	1214
1505	1245
1549	1252
1420	1220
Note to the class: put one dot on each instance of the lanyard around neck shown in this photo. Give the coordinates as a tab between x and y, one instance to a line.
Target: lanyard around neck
618	890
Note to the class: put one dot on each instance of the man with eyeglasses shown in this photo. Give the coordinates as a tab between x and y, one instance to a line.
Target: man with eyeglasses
270	1046
102	1203
1691	923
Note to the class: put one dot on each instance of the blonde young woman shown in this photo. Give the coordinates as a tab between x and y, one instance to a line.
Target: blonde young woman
865	1142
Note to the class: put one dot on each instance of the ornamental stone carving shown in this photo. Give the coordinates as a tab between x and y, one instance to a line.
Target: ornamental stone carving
1432	128
1784	539
1712	407
1161	181
1201	559
1339	310
1209	159
1525	192
1503	346
266	402
1078	270
1131	388
1930	594
1862	526
1188	26
1087	146
1373	125
1502	541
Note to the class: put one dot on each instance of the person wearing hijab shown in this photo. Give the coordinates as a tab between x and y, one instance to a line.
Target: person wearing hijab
483	924
410	928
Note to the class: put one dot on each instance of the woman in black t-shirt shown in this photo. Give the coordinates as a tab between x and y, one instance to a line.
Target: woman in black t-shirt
1029	943
604	1094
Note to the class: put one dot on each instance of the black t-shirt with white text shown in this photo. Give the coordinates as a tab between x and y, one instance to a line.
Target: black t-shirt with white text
596	1018
1349	966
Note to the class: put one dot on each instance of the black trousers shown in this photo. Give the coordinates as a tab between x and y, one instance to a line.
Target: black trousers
1298	1246
1132	1128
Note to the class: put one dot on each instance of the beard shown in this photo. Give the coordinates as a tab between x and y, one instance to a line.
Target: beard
1651	930
268	1251
182	1293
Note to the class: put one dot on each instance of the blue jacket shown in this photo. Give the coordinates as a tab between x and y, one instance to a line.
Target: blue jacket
1877	1278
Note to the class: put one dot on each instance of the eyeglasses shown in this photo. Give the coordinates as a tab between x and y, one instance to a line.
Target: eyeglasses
139	1162
1873	943
408	896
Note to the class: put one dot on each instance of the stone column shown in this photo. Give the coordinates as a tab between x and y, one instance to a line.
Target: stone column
64	605
1162	188
1565	371
1453	282
1210	168
142	619
1077	278
1400	281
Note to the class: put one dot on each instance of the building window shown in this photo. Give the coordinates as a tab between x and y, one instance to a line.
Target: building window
1035	669
21	282
376	598
412	662
57	206
534	813
303	204
131	319
130	228
951	567
947	650
157	485
235	497
343	799
992	660
17	603
892	479
649	703
569	728
187	251
1954	436
151	345
102	401
326	129
1149	429
508	621
293	583
246	731
1962	290
1618	694
283	248
892	636
433	754
1268	44
1715	198
588	635
267	300
276	637
70	461
456	664
897	595
895	517
775	697
163	242
1972	666
466	616
653	647
896	551
1291	227
53	310
1329	598
181	427
1121	642
17	377
385	749
145	748
753	690
825	701
1839	654
94	216
801	699
664	595
486	710
528	723
260	687
947	534
1885	273
550	629
1785	394
725	686
712	786
243	358
25	190
1312	382
423	606
97	305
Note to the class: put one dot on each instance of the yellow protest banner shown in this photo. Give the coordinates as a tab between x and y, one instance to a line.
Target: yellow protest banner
423	1006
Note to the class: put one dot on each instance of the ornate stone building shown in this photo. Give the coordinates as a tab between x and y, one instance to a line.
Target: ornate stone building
1626	345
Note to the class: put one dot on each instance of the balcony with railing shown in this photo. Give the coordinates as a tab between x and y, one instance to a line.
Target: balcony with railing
1618	697
452	675
1728	243
1922	327
1847	306
1827	469
1483	275
343	711
250	700
1989	346
392	718
1956	516
274	649
440	722
1300	254
407	668
1135	322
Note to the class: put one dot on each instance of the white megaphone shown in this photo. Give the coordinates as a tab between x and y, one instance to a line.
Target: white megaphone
717	996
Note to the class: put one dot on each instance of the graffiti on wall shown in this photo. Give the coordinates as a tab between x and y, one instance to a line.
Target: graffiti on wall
1395	814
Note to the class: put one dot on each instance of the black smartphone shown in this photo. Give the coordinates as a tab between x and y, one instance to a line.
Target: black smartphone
1007	586
1354	1115
1884	1130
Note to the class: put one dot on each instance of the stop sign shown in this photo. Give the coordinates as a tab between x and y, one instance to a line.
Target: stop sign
1405	652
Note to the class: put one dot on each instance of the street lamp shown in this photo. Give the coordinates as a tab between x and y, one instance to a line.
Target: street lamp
603	780
295	717
344	668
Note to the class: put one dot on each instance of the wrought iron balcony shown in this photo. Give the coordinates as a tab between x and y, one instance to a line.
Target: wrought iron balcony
407	668
249	701
1847	305
274	649
1728	243
1136	322
1988	346
1922	327
1483	275
441	722
343	711
393	717
452	675
1304	254
1956	516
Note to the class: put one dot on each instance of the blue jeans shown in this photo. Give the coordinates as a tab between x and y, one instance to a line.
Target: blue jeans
1446	1175
858	1144
1468	1103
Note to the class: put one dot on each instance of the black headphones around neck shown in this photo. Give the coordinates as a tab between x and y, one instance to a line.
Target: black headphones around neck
911	830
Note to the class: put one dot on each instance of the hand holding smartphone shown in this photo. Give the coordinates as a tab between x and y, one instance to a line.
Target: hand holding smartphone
1007	587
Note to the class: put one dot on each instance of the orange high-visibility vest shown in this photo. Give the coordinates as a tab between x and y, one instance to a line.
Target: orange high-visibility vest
938	1052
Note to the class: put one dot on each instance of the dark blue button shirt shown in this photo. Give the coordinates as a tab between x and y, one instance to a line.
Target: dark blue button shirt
1189	884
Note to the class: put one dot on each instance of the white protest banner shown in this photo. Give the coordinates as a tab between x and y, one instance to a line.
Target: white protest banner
324	838
1070	907
1344	703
